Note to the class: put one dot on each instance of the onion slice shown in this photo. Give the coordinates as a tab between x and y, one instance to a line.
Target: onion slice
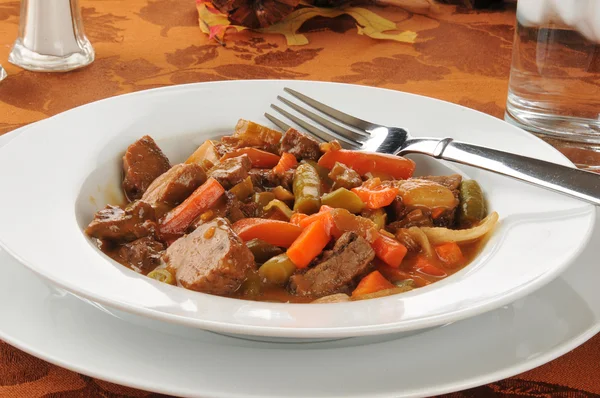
421	238
438	235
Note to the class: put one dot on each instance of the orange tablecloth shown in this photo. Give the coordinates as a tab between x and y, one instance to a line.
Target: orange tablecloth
460	56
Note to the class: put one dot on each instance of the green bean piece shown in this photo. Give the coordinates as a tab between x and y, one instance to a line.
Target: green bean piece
344	199
252	286
262	250
244	189
263	198
322	171
307	189
378	216
472	207
280	206
277	270
162	275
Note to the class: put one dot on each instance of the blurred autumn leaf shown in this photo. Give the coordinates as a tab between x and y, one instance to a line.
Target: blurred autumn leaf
368	23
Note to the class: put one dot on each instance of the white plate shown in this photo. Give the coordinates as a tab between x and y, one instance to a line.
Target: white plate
61	170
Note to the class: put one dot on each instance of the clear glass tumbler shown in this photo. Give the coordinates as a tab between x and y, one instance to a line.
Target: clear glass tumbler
51	37
554	88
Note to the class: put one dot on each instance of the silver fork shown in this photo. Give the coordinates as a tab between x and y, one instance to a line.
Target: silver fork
368	136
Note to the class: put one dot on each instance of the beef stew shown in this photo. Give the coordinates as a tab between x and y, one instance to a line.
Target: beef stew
262	215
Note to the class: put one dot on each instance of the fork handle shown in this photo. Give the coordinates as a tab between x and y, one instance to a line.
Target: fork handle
580	184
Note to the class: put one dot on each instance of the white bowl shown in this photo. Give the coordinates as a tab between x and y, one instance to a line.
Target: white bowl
58	172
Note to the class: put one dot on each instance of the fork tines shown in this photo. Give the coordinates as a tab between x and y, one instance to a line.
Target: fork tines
348	138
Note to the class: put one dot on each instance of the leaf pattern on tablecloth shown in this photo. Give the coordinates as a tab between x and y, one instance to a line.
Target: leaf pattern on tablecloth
192	55
102	27
182	77
244	72
397	69
288	58
136	69
490	107
15	367
469	49
27	91
518	388
258	44
169	14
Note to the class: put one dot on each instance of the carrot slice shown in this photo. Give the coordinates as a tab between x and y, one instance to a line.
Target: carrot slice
275	232
437	212
450	254
259	159
286	162
364	162
179	219
376	198
424	265
297	218
309	244
324	215
389	250
372	283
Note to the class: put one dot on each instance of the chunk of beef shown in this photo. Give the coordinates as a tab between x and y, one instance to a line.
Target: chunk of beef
123	225
351	259
174	186
446	219
452	182
263	178
231	171
143	162
344	177
300	145
250	209
222	148
413	218
266	178
142	255
396	210
286	180
232	209
212	259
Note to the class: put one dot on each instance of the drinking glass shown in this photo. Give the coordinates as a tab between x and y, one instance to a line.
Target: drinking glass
554	88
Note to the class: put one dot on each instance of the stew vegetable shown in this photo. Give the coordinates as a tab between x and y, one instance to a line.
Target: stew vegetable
262	215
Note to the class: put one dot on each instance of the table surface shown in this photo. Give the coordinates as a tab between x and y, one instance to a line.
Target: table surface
460	56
